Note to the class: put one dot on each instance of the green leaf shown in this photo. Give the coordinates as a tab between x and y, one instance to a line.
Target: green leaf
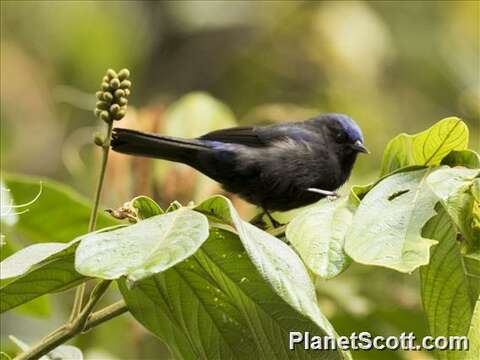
5	356
471	267
148	247
426	148
145	207
318	235
24	280
453	187
386	228
217	305
64	352
358	192
278	264
474	334
23	260
467	158
58	215
446	293
40	307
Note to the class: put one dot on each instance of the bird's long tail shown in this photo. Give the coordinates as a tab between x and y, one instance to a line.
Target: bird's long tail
157	146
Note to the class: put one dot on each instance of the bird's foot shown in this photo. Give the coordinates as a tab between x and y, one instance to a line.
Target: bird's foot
332	194
275	223
261	222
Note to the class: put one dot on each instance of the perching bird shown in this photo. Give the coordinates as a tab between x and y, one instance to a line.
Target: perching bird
277	167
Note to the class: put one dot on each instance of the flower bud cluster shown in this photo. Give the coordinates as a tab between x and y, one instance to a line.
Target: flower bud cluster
112	100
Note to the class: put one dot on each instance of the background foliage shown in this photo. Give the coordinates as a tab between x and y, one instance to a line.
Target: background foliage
394	67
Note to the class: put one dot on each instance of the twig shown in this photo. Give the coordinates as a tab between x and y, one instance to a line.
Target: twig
85	321
80	291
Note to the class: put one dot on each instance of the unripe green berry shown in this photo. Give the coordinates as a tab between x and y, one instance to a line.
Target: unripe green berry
125	84
119	93
97	112
127	92
115	83
120	114
101	105
99	95
105	116
124	74
97	139
111	74
105	86
114	108
122	101
107	96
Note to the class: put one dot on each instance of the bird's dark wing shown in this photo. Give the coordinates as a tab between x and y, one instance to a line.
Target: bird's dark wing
261	136
243	135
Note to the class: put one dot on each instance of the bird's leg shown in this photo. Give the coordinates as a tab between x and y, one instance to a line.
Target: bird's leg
324	192
274	222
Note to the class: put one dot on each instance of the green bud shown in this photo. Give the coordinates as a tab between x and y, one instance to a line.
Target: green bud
124	74
97	112
114	108
120	114
105	116
125	84
127	92
105	79
122	101
115	83
105	86
119	93
101	105
97	139
99	95
107	96
111	74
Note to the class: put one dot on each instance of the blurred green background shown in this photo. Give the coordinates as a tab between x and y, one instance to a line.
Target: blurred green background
393	66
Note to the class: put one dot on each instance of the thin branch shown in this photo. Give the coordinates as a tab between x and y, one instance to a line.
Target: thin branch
85	321
107	313
80	291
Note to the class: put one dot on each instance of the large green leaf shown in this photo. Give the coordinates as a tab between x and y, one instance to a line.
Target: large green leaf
474	334
467	158
386	228
426	148
277	263
453	187
318	235
217	305
50	269
58	215
148	247
446	294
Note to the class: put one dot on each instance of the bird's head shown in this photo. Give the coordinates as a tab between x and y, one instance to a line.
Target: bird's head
342	132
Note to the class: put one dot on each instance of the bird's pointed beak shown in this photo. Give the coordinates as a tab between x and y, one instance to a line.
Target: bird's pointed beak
358	146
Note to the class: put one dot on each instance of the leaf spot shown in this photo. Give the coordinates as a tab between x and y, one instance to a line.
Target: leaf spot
397	194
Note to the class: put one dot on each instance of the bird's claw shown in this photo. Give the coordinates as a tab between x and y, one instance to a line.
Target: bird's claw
332	194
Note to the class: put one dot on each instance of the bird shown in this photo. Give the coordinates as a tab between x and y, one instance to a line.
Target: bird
277	167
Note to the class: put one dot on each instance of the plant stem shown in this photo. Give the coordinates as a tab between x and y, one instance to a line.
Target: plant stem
80	291
107	313
66	332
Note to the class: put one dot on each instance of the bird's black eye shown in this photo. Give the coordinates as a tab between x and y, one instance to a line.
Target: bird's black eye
340	137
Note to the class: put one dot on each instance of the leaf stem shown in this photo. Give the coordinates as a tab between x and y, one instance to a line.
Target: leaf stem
66	332
80	291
